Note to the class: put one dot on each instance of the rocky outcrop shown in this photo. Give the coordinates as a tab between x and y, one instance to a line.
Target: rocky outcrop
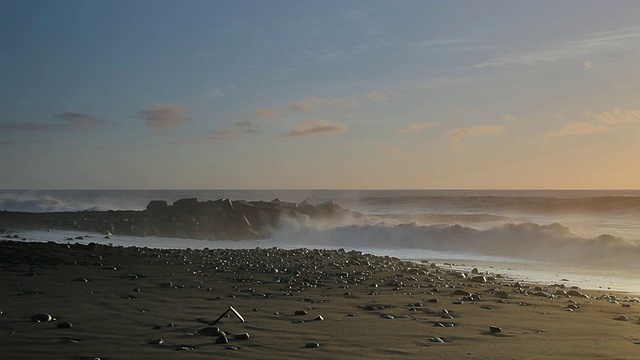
185	218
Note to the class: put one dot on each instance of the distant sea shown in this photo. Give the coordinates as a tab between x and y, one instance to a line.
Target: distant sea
591	236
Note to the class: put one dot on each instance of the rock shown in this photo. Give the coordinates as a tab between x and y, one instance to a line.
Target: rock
155	205
622	318
222	340
461	292
41	318
495	329
312	345
503	294
64	325
318	318
437	340
300	312
185	203
183	347
156	342
475	271
210	331
231	347
241	336
387	316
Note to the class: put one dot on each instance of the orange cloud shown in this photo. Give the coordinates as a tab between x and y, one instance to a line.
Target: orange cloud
270	113
577	128
415	127
457	135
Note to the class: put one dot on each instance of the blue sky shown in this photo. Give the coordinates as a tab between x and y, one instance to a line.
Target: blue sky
319	94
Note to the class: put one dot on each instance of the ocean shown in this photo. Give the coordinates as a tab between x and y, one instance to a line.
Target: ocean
591	238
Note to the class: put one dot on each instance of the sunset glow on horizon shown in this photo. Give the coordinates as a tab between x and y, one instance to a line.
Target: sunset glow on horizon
320	94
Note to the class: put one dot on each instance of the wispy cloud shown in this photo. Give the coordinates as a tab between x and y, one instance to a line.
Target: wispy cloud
246	126
603	121
315	127
164	116
457	135
576	128
224	134
616	116
312	103
417	127
69	121
270	113
618	40
438	43
377	96
215	93
390	149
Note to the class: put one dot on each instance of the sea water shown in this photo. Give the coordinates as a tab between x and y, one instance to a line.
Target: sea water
590	238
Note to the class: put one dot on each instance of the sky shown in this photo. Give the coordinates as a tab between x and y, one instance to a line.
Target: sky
194	94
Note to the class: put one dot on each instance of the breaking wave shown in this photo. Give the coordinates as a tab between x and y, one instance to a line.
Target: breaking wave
553	243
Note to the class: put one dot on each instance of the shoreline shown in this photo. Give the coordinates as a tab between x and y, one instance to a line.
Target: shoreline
119	299
622	280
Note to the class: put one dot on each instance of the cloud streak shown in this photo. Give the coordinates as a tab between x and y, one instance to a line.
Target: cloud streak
315	127
604	121
457	135
164	116
70	121
417	127
606	42
576	128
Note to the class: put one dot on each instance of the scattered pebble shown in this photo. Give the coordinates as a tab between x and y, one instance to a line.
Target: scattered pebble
495	329
41	318
312	345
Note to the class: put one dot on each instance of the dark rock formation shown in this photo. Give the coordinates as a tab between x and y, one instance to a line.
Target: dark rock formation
186	218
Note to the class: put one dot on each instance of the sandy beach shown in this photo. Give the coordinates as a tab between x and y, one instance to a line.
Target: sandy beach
129	303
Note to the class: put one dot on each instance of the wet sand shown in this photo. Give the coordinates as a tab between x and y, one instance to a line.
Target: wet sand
119	300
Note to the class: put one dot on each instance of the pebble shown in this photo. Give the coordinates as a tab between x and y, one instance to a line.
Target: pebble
41	318
300	312
222	340
231	347
318	318
312	345
437	340
156	342
242	336
622	318
495	329
387	316
183	347
210	331
64	325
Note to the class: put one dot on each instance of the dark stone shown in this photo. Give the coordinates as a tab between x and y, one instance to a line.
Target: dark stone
222	340
312	345
156	342
41	318
300	312
64	325
241	336
495	329
210	331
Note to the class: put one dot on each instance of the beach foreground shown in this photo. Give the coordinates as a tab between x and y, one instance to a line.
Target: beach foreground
129	303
